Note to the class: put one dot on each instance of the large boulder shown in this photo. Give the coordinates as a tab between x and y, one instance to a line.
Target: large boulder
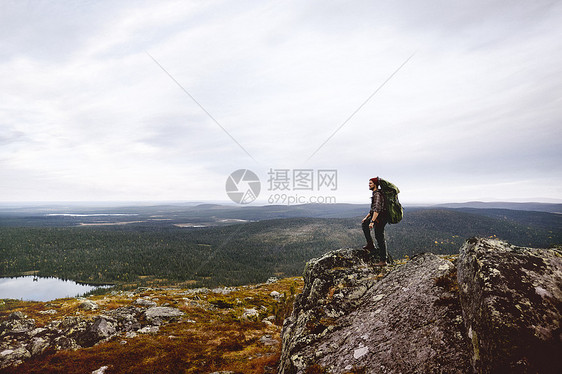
158	314
496	309
127	318
13	357
16	327
347	320
512	305
88	305
103	327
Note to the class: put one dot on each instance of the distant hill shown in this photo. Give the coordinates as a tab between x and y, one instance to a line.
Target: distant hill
214	214
537	207
205	214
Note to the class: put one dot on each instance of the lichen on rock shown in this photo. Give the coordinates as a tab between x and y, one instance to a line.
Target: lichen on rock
512	304
496	309
391	324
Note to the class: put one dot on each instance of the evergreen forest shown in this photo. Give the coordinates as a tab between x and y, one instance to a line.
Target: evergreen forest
225	254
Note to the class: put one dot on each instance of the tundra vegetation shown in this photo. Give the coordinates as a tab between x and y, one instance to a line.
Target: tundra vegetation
224	329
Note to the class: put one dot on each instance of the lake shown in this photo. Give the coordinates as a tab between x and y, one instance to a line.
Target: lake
41	289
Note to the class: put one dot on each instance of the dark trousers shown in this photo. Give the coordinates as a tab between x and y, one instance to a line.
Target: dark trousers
379	252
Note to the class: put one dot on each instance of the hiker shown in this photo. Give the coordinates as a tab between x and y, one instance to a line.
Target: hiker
376	218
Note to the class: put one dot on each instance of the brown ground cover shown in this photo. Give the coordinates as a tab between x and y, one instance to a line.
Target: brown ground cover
217	332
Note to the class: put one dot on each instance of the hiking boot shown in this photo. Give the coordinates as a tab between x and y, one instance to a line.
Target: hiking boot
369	246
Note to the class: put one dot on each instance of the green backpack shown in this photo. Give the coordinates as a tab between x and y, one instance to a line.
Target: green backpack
391	203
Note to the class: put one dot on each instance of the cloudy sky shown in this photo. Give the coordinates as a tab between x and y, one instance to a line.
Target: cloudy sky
162	100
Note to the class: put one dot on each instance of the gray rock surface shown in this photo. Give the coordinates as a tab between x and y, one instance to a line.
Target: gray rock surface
144	302
149	330
20	339
103	327
500	314
38	346
512	305
14	356
348	320
157	314
101	370
16	315
88	305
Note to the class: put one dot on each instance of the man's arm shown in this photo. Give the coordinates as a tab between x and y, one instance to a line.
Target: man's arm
376	207
373	218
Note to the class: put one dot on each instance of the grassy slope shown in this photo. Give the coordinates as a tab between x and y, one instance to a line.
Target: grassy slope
219	339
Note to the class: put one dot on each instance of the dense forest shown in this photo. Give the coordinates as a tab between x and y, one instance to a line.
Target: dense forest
242	253
226	255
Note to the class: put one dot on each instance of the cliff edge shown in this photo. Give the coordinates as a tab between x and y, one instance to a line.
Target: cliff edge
494	309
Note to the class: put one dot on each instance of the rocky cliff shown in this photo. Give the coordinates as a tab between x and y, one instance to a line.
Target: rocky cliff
495	308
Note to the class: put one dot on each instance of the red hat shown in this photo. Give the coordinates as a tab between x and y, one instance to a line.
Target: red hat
375	180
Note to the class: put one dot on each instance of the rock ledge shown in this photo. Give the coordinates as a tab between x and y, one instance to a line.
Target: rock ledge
499	314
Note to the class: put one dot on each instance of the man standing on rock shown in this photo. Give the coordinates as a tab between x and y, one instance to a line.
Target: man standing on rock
376	218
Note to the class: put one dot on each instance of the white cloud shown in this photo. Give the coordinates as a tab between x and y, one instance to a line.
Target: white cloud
86	114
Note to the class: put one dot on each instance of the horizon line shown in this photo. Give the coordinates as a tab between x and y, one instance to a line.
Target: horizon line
227	202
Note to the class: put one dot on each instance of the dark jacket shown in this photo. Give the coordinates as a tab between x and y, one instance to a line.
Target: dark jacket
377	202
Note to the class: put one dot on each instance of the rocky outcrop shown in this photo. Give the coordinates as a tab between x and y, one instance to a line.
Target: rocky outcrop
500	314
349	320
157	314
512	304
21	339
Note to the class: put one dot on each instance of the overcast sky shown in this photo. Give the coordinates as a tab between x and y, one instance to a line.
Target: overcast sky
91	106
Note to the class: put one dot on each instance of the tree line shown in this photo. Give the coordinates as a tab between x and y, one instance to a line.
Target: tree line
237	254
